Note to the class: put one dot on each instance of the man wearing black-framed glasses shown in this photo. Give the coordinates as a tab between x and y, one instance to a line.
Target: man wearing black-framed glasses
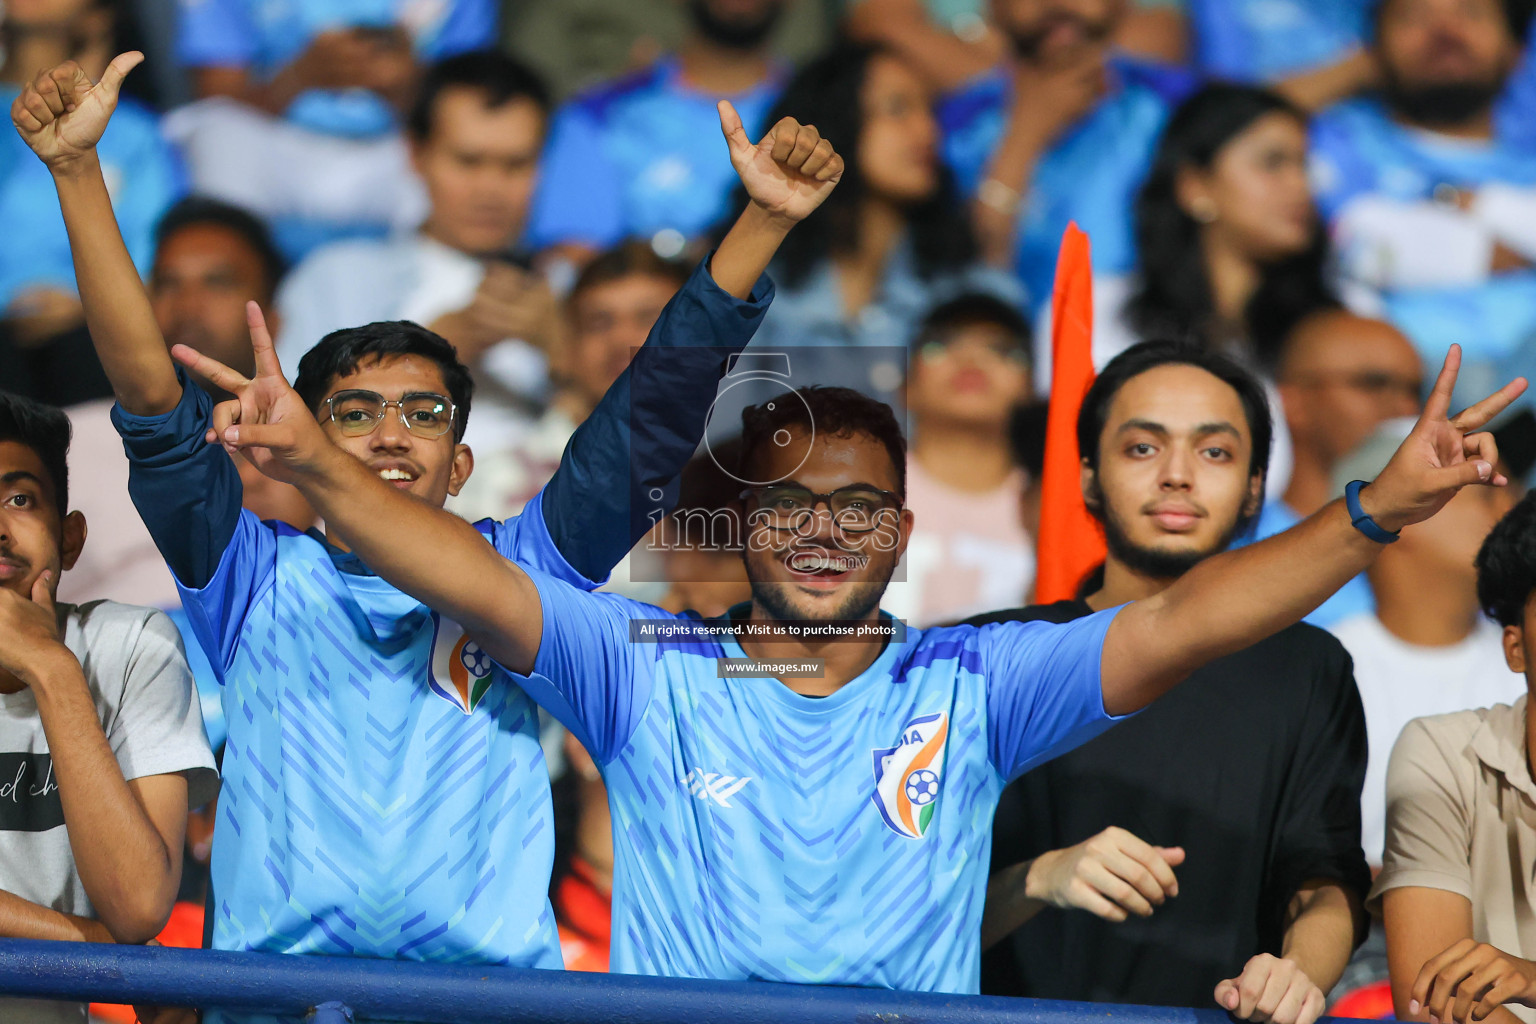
361	719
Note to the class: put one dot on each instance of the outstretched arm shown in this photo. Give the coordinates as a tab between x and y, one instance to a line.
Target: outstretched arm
1238	598
61	115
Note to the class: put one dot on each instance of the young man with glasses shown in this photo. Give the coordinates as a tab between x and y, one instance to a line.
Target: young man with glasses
385	792
801	791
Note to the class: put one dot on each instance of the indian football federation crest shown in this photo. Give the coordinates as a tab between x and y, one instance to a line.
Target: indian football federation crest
460	671
908	776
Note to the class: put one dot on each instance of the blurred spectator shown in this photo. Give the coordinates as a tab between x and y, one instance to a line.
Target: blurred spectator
1460	794
44	350
581	884
101	744
970	552
951	42
302	104
1416	656
1064	131
575	44
475	132
1340	377
608	315
1230	250
890	242
1432	214
1249	768
639	156
1314	51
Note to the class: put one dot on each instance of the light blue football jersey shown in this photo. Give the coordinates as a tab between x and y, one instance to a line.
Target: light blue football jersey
1091	175
1267	40
639	156
384	793
1358	150
761	834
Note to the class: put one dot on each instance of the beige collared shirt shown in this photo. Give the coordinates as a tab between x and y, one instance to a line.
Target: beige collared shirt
1461	816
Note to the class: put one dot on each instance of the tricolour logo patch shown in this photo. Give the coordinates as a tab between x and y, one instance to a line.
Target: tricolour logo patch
908	775
460	671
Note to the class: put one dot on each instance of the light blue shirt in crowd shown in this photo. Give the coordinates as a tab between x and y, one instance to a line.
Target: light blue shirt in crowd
1267	40
1358	150
266	35
1091	175
1353	598
143	175
639	156
842	840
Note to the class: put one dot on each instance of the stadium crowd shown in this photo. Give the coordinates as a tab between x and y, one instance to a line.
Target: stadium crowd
702	269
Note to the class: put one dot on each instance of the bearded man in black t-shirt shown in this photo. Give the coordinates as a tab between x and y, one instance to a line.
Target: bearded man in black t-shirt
1208	849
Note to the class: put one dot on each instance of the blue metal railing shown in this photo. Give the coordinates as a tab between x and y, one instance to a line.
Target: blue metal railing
445	994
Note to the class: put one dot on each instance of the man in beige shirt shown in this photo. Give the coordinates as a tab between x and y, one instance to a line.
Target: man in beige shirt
1456	886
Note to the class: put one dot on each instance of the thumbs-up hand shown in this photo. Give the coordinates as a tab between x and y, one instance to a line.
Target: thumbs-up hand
61	114
789	171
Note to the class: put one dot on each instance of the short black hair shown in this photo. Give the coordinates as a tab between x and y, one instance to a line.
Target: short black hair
1026	436
1506	565
46	430
630	258
339	353
1517	15
194	211
974	309
500	78
1149	355
832	412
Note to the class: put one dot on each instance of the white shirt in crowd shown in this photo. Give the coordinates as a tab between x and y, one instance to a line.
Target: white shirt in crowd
969	552
138	677
1400	681
409	277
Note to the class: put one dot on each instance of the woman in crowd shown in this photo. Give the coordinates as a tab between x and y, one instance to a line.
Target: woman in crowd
1231	250
893	240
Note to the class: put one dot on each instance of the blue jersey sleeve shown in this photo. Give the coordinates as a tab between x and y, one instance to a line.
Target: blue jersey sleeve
217	610
1044	688
580	196
216	33
470	25
525	539
186	490
602	499
588	674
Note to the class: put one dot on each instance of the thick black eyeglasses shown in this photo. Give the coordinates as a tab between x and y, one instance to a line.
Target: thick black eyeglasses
792	507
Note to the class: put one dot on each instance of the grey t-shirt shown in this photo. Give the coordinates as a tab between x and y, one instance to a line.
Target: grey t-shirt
137	672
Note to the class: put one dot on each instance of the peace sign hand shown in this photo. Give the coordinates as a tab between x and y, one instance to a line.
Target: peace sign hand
1442	455
789	172
61	114
266	422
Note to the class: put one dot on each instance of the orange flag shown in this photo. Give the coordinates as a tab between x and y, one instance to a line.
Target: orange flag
1071	542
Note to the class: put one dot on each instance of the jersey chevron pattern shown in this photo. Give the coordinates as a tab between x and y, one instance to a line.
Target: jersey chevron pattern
384	794
760	834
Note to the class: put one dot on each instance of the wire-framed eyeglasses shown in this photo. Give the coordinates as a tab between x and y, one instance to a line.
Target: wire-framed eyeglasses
789	506
357	412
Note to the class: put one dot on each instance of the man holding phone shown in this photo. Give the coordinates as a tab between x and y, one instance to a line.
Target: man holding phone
475	135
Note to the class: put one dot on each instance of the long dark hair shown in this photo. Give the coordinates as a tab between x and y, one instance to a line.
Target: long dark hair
1175	298
825	93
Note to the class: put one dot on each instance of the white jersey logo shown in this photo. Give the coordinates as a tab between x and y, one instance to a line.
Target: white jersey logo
712	786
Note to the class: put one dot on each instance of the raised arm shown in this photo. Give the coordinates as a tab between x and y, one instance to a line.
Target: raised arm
61	115
604	498
1238	598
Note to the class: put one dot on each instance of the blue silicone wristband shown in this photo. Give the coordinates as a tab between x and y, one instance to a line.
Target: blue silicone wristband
1361	519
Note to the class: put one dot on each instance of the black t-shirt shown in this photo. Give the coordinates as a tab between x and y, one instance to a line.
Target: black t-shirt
1253	764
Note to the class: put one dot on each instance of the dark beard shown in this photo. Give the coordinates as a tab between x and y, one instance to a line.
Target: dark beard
1155	562
1441	106
733	35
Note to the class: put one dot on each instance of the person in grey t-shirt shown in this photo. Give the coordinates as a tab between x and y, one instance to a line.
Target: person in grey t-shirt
102	749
